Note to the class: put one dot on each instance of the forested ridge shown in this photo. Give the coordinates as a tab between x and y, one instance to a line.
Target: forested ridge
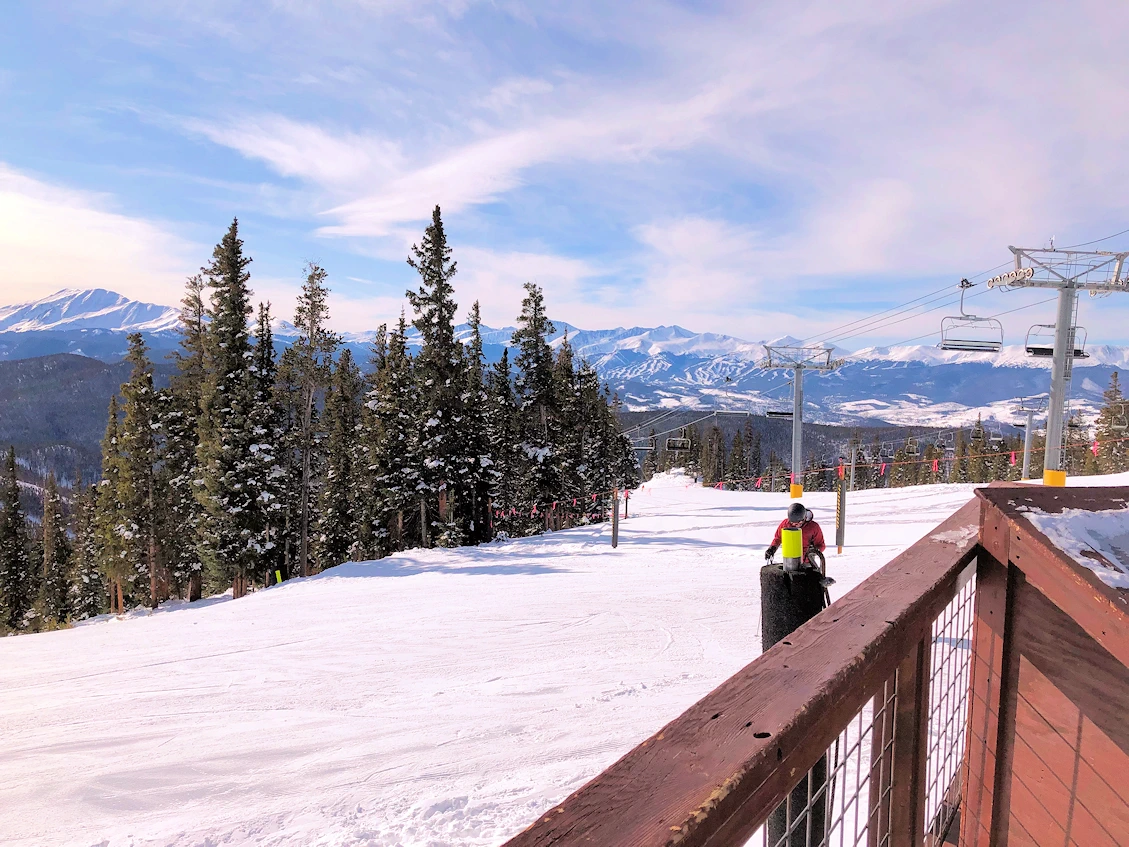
253	466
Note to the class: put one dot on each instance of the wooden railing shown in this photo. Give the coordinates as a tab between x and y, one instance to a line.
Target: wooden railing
866	704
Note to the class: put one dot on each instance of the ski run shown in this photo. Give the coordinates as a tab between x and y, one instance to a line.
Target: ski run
431	698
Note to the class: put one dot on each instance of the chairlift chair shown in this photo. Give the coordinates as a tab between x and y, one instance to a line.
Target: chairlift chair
1040	341
778	413
912	448
1120	421
675	445
971	333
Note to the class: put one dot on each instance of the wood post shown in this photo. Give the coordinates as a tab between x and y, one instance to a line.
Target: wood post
984	809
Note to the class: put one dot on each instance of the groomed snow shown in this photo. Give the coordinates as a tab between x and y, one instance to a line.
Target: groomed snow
433	698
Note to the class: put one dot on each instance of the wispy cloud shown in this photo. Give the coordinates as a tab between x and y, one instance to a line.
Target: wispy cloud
54	237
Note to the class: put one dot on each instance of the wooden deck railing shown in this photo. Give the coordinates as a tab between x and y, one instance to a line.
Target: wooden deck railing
867	703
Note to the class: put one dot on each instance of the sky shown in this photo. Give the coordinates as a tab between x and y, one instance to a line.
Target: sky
749	168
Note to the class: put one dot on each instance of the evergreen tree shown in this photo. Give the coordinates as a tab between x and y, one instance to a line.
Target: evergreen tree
308	367
438	370
180	520
477	452
17	583
138	456
501	426
536	397
266	475
230	534
115	541
88	588
336	525
1111	427
393	403
372	536
737	467
651	461
753	442
978	448
54	599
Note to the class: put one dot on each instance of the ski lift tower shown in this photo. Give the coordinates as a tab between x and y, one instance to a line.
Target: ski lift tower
798	360
1029	406
1068	271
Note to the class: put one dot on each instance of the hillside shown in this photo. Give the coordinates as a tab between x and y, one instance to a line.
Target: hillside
54	410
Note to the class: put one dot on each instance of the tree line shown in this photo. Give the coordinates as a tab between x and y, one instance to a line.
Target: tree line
975	455
253	465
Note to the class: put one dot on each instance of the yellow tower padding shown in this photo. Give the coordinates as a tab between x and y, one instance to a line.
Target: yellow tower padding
797	491
791	543
1054	478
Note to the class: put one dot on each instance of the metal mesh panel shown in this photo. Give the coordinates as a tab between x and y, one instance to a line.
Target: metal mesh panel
843	800
950	662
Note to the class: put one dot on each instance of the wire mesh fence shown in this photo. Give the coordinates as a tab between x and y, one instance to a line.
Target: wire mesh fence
949	662
847	798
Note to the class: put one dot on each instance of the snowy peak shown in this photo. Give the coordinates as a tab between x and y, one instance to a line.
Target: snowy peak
95	308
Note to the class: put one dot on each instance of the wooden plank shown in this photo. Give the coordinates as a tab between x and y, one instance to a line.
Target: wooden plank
985	688
911	740
711	776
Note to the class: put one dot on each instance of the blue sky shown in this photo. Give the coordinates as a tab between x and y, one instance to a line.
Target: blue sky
748	168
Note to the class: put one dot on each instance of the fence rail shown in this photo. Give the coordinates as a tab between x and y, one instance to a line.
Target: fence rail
849	732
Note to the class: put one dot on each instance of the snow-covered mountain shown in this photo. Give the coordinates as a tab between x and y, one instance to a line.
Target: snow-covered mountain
648	367
96	308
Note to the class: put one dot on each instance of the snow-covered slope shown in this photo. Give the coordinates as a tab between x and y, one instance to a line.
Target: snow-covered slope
96	308
442	697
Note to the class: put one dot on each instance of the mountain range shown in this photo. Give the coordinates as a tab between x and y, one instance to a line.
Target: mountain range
666	367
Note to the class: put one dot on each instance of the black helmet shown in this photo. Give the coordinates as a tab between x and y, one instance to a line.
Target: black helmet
797	513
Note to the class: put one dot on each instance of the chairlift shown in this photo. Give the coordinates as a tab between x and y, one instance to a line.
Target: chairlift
995	434
912	448
675	445
779	413
970	333
1041	341
1120	422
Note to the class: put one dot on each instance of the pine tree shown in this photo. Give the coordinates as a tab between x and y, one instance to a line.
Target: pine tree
17	583
651	461
266	474
138	456
180	520
54	593
308	366
113	534
535	393
501	427
372	536
978	448
230	534
737	467
395	463
1111	427
477	453
753	442
88	587
336	525
437	369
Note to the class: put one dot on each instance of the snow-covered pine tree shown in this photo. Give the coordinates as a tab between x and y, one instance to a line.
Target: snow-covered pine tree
114	542
138	456
308	364
753	442
477	458
651	461
1111	427
88	586
265	471
394	458
17	580
229	536
567	431
438	372
737	466
501	427
336	529
178	410
54	590
372	535
537	410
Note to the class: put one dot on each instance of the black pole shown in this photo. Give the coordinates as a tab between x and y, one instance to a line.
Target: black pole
788	601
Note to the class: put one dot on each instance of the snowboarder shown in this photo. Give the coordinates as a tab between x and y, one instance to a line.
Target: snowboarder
800	518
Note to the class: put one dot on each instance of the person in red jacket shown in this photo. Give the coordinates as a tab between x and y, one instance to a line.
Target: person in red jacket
798	518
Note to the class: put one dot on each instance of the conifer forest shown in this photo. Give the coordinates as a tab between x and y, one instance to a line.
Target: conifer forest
256	465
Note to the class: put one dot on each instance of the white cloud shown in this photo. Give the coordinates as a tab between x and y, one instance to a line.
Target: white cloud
53	237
